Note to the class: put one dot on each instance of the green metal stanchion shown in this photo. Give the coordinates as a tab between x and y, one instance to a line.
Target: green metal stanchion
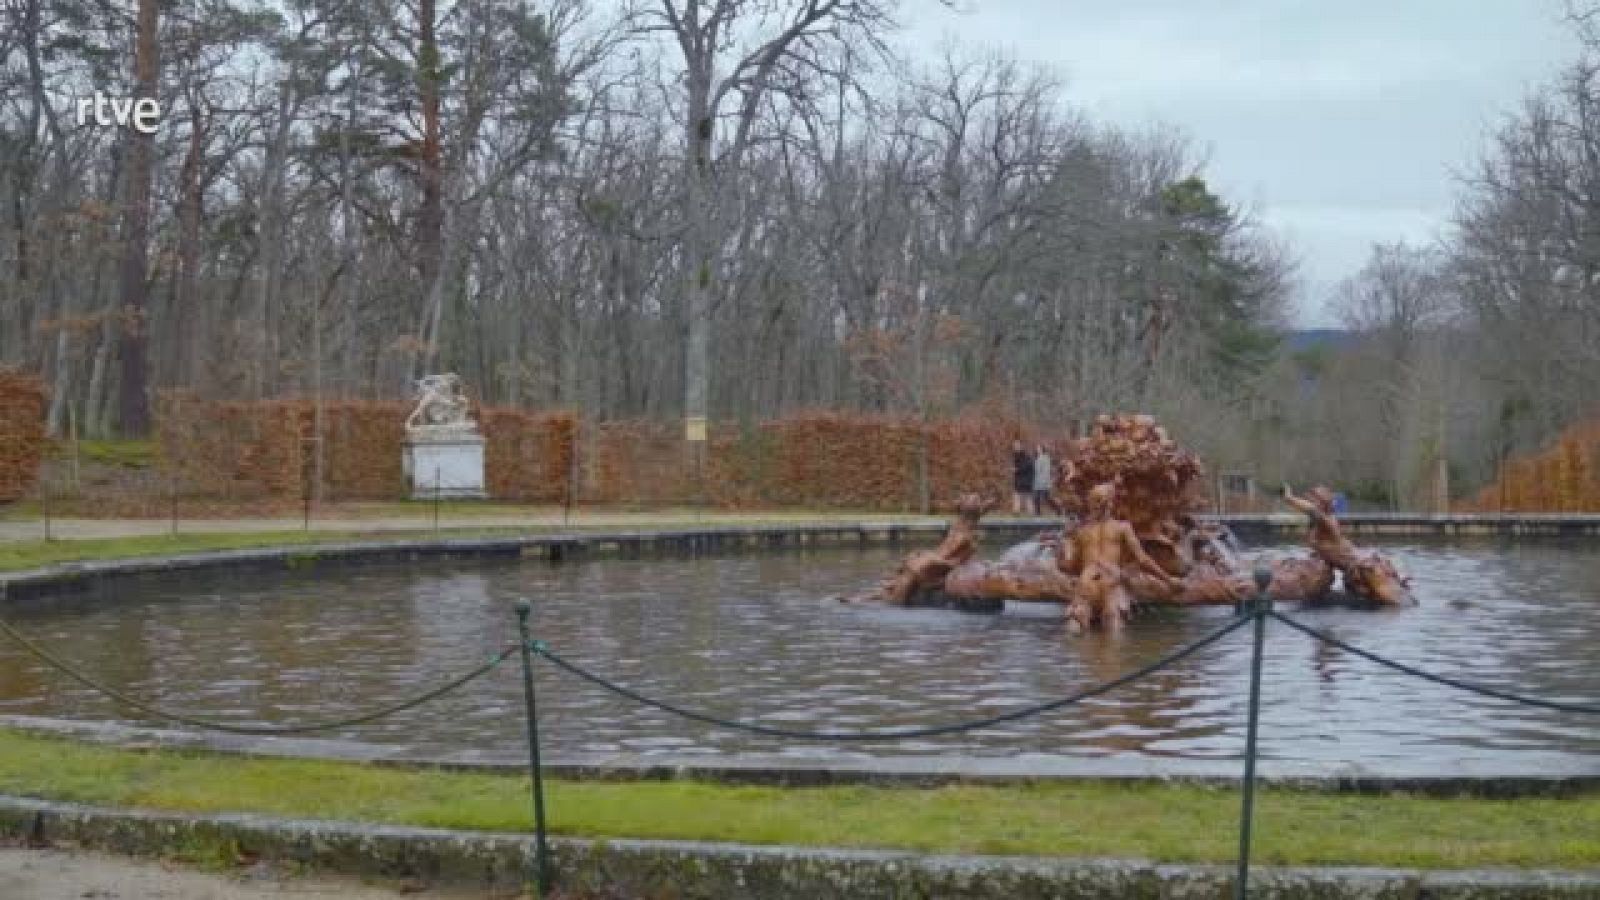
1258	609
524	609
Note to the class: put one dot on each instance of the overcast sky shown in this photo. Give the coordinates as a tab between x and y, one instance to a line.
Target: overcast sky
1342	123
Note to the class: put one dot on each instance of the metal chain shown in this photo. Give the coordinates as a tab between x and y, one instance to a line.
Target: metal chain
930	731
1413	671
214	725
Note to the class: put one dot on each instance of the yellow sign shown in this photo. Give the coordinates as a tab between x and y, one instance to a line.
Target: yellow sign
695	428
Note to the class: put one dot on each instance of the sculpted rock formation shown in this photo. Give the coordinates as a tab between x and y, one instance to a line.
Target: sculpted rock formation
1307	578
1028	571
1157	480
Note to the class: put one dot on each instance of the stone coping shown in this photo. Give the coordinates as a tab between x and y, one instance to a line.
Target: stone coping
1542	776
629	867
77	576
1426	525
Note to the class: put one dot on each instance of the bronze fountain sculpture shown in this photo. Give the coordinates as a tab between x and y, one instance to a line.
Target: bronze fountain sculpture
1140	544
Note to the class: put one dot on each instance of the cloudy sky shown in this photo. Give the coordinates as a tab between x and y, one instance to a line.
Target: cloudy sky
1341	123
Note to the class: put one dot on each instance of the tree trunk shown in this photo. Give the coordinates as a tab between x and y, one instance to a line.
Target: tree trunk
270	234
94	405
430	170
352	232
189	213
134	400
701	250
60	383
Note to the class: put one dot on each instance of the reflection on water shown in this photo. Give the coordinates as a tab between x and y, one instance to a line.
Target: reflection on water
755	637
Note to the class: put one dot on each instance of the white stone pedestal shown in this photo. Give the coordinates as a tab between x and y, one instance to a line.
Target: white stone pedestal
452	466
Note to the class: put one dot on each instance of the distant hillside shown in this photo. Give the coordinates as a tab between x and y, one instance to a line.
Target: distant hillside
1305	339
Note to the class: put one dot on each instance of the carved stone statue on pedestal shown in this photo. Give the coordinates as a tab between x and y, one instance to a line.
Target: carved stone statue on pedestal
443	449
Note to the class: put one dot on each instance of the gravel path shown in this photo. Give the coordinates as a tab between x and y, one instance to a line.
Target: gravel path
81	529
60	874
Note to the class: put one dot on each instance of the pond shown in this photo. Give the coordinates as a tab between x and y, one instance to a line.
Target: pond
755	636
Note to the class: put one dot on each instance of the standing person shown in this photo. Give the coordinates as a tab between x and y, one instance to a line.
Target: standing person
1021	478
1044	481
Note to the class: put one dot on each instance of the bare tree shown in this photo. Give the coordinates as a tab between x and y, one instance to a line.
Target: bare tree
734	54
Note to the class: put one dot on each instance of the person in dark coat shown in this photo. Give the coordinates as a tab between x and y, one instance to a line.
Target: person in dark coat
1021	480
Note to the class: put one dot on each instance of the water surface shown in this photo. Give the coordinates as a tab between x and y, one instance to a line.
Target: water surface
756	637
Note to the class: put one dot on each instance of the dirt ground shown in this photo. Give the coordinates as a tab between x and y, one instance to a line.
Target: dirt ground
71	874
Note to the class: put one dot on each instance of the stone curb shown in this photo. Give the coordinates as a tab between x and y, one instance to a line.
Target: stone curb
738	871
1465	778
1464	525
69	577
79	576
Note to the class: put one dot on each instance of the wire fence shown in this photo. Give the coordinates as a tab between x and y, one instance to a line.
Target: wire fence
1255	614
157	712
1025	712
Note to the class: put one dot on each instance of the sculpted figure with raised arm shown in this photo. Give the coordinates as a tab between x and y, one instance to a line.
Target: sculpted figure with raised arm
1367	573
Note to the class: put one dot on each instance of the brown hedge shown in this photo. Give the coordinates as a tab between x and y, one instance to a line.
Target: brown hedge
1564	477
22	436
818	459
264	450
528	456
232	450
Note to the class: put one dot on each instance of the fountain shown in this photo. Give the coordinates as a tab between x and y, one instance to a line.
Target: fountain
1140	543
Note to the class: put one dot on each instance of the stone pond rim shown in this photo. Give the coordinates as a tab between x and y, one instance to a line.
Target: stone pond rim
65	579
77	576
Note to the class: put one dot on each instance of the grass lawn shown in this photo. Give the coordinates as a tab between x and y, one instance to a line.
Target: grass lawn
129	454
1160	822
26	554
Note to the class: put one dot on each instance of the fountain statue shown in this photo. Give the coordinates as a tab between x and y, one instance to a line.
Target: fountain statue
443	454
924	571
1366	574
441	408
1140	544
1157	480
1097	557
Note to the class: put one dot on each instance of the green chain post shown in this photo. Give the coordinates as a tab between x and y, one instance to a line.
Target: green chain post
524	609
1258	609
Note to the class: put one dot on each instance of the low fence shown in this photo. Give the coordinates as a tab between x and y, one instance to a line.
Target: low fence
1253	614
